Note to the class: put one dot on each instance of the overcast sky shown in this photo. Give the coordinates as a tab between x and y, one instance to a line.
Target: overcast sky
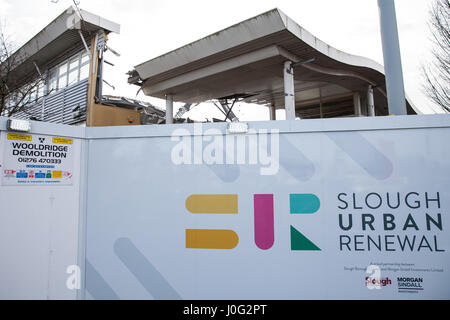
150	28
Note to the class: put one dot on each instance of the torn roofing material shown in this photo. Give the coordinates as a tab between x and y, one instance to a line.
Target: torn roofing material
247	58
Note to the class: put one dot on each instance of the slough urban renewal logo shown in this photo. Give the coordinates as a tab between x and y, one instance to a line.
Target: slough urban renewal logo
264	229
378	222
396	230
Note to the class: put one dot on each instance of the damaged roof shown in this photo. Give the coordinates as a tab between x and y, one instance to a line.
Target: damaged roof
247	59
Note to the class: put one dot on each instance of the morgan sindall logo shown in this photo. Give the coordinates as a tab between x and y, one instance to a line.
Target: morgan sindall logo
264	228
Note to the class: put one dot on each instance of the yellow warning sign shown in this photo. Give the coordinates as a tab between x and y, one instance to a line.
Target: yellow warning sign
57	174
21	137
62	141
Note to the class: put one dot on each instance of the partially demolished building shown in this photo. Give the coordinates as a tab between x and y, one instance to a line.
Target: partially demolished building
57	76
268	60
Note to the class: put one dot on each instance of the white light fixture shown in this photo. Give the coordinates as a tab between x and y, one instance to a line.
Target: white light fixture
238	127
18	125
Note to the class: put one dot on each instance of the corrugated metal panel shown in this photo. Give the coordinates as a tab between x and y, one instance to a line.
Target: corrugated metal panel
31	111
60	107
75	103
67	106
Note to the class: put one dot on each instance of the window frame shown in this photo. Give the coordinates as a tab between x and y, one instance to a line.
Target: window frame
66	65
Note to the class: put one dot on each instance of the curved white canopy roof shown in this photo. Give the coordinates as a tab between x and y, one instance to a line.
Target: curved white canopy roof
247	59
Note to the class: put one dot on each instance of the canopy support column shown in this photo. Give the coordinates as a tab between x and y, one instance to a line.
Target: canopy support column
357	104
289	93
370	102
169	109
272	111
